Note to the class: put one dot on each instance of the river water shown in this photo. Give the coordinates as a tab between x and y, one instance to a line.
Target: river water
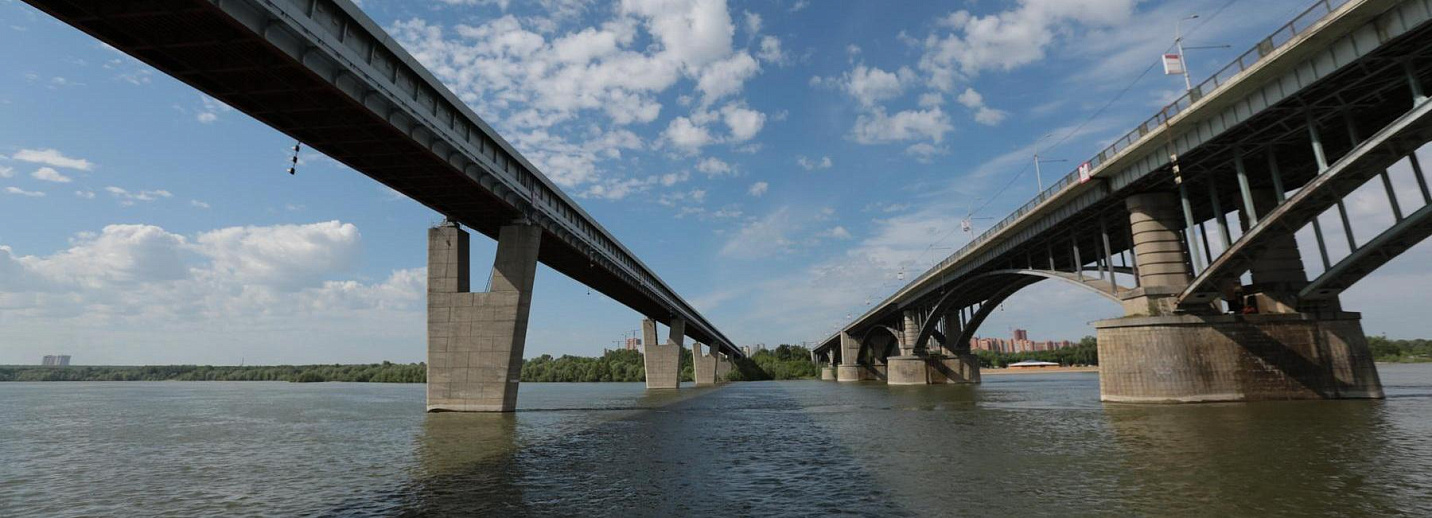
1019	445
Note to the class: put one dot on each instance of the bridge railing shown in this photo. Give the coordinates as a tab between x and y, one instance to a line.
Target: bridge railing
1267	46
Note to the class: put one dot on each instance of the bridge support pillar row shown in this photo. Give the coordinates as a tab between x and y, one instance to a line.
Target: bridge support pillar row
475	340
1155	219
959	367
662	361
827	373
703	366
849	368
1277	272
1191	358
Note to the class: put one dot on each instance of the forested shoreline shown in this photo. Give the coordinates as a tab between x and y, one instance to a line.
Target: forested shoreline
785	362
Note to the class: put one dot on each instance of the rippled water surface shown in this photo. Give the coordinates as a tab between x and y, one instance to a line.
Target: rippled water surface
1022	445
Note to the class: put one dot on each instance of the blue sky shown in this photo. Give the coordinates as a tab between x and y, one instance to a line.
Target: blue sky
777	162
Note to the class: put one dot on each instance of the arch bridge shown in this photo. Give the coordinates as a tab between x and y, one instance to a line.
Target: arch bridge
1190	223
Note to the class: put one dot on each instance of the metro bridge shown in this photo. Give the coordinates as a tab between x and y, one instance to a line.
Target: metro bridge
324	73
1170	220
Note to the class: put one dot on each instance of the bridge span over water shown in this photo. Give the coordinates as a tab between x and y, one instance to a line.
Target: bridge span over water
1191	218
325	73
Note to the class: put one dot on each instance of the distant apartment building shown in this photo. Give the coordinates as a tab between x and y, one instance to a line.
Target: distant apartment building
633	344
55	360
1020	343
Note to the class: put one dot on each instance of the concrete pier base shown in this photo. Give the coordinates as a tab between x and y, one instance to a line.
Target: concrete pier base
827	373
1185	358
849	372
959	368
475	340
703	366
662	361
906	370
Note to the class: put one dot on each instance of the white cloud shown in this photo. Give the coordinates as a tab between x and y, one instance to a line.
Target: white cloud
87	195
758	189
870	85
924	151
1009	39
983	114
686	135
770	51
52	157
22	192
836	232
142	280
753	23
798	5
714	167
744	123
670	179
127	197
192	203
877	127
50	175
7	172
811	164
539	83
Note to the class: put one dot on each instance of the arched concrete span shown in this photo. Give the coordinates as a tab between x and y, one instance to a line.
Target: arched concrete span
1020	278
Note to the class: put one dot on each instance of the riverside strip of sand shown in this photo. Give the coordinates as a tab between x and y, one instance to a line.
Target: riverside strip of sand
1044	370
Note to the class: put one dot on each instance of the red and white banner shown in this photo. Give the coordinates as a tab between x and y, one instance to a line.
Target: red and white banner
1085	171
1173	64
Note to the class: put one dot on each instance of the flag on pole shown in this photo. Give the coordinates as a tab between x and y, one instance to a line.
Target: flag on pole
1173	64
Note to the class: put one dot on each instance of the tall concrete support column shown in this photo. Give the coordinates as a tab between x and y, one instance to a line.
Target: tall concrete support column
1277	273
910	367
703	366
723	367
662	361
475	340
1159	251
849	368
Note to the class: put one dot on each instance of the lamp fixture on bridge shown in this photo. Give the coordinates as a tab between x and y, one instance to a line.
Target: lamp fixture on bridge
293	162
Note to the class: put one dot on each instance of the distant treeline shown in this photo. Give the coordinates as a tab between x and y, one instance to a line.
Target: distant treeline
386	372
1401	351
1086	352
785	362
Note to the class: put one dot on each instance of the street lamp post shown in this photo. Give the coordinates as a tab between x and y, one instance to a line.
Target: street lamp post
1038	178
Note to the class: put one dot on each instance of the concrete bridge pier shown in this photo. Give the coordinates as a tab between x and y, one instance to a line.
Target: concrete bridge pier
475	340
703	366
1154	355
827	371
849	368
662	361
910	368
723	367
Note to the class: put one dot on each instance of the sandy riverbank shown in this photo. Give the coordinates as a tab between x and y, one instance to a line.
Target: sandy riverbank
989	372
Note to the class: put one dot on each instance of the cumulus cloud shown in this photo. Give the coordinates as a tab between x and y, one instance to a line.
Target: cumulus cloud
714	167
1009	39
6	172
877	127
982	114
811	164
539	83
52	157
758	189
50	175
127	197
209	287
22	192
